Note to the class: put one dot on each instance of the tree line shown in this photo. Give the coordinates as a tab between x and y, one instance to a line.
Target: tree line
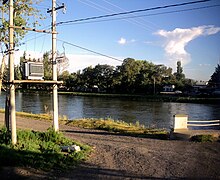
132	76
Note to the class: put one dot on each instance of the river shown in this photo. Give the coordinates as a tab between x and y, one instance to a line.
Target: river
150	114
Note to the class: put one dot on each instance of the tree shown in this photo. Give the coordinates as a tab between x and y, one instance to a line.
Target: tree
215	78
128	74
47	66
179	73
64	76
102	75
23	10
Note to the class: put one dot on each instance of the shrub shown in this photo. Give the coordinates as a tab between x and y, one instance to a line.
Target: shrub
40	150
203	138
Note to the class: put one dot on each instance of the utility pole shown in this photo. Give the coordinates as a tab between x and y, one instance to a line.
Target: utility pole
11	77
54	64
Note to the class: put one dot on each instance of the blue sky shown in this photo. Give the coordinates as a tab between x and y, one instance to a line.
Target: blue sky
190	36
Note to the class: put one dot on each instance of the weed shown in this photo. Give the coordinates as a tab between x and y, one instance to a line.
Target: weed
40	150
120	127
203	138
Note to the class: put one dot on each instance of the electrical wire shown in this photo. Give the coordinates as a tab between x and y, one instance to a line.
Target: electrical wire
140	22
144	15
101	8
89	50
132	12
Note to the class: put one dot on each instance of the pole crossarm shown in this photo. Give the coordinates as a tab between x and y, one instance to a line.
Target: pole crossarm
56	8
32	29
33	82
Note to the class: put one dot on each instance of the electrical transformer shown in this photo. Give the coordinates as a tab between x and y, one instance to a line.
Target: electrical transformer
33	70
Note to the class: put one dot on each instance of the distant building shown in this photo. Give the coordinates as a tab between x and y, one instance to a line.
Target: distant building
168	88
200	86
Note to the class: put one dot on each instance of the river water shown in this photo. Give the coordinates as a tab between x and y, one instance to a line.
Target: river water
150	114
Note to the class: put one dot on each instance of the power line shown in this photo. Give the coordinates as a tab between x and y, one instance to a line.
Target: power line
89	50
145	15
101	8
141	24
131	12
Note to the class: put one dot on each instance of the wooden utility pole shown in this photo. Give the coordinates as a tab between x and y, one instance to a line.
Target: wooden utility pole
11	77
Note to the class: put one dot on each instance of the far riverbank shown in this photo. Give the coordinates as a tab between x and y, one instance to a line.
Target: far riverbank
151	98
181	98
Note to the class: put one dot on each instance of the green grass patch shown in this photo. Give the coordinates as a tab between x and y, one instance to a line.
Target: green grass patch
32	116
39	150
110	125
203	138
120	127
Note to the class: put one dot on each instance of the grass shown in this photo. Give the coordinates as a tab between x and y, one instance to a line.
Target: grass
39	150
120	127
109	125
32	116
203	138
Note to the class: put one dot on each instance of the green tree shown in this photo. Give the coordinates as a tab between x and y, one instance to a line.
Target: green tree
47	66
128	74
215	78
102	76
23	10
179	73
87	77
18	75
64	77
180	77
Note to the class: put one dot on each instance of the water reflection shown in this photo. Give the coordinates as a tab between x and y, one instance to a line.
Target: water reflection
151	114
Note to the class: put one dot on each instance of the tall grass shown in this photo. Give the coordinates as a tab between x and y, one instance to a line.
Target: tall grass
120	127
40	150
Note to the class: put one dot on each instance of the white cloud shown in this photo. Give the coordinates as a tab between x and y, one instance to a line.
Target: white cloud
80	61
132	41
122	41
177	40
204	64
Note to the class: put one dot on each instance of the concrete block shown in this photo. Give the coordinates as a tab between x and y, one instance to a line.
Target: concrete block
180	122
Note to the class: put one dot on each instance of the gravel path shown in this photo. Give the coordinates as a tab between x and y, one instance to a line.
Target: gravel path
124	157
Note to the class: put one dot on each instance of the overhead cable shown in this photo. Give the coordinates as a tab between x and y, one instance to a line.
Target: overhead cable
131	12
145	15
89	50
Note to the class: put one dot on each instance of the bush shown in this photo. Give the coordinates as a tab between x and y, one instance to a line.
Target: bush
203	138
40	150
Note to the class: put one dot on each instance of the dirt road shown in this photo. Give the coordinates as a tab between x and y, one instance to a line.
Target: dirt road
123	157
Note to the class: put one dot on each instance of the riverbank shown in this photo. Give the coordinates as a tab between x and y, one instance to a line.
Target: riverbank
151	98
122	157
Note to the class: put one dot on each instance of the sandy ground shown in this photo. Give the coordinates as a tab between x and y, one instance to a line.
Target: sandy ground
124	157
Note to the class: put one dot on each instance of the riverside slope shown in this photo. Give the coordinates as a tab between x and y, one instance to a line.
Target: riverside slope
123	157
